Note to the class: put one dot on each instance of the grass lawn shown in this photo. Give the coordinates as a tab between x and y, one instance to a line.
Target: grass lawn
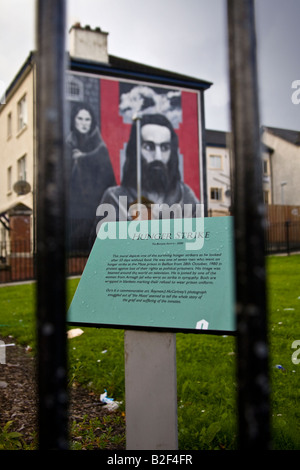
206	384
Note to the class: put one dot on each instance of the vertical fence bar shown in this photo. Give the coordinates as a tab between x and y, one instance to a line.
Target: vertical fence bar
287	224
252	363
51	291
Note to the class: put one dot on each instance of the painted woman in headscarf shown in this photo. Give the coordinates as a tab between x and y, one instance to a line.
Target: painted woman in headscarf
91	172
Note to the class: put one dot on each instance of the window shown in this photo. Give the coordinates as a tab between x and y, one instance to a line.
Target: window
22	168
9	179
216	194
22	113
265	167
215	162
266	195
9	125
74	89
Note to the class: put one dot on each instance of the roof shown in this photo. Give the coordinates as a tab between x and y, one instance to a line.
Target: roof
215	138
26	66
293	137
220	139
123	68
22	204
129	65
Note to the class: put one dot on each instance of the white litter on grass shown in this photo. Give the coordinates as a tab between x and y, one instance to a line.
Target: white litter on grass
74	332
288	309
280	367
104	398
110	404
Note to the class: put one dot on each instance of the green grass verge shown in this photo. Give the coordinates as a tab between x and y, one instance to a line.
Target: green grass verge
206	383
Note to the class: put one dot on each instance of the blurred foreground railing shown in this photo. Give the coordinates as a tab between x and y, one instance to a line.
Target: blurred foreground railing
53	261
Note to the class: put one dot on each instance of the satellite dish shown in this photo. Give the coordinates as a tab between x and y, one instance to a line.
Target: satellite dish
22	187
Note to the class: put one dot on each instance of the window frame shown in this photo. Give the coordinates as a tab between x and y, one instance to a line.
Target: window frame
217	190
266	196
22	113
212	167
22	168
9	125
266	167
9	174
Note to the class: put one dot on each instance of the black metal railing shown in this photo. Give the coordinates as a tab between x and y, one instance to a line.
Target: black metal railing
17	259
52	261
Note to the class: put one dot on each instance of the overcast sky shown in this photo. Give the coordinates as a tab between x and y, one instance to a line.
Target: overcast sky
186	36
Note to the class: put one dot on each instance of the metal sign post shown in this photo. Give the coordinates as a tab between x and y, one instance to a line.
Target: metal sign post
150	373
151	390
51	292
137	119
253	382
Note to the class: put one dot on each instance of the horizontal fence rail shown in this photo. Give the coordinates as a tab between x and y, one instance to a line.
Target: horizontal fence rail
17	260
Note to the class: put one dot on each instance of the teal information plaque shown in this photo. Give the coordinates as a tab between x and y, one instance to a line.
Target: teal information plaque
169	274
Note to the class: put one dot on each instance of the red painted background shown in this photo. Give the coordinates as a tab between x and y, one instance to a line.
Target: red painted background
116	133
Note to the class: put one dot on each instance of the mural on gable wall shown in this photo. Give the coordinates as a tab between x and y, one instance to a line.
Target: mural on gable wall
101	145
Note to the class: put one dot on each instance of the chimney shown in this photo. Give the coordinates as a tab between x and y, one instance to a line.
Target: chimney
89	44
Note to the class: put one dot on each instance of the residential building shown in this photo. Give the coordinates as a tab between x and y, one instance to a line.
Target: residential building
17	144
283	166
218	172
89	58
280	152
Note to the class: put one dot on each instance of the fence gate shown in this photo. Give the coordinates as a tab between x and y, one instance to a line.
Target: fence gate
253	388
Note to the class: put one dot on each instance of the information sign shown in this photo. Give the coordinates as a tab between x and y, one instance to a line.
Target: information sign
168	274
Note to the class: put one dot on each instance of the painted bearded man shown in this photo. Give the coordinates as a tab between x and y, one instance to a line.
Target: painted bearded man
160	177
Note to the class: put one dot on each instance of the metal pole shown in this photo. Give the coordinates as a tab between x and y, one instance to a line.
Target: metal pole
287	233
282	184
51	291
150	365
137	119
150	369
252	368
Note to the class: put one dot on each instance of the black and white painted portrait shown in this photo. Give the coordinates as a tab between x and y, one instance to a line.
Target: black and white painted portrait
90	173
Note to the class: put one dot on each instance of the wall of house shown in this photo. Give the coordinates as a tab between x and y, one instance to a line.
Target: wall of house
266	175
285	168
218	180
17	144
